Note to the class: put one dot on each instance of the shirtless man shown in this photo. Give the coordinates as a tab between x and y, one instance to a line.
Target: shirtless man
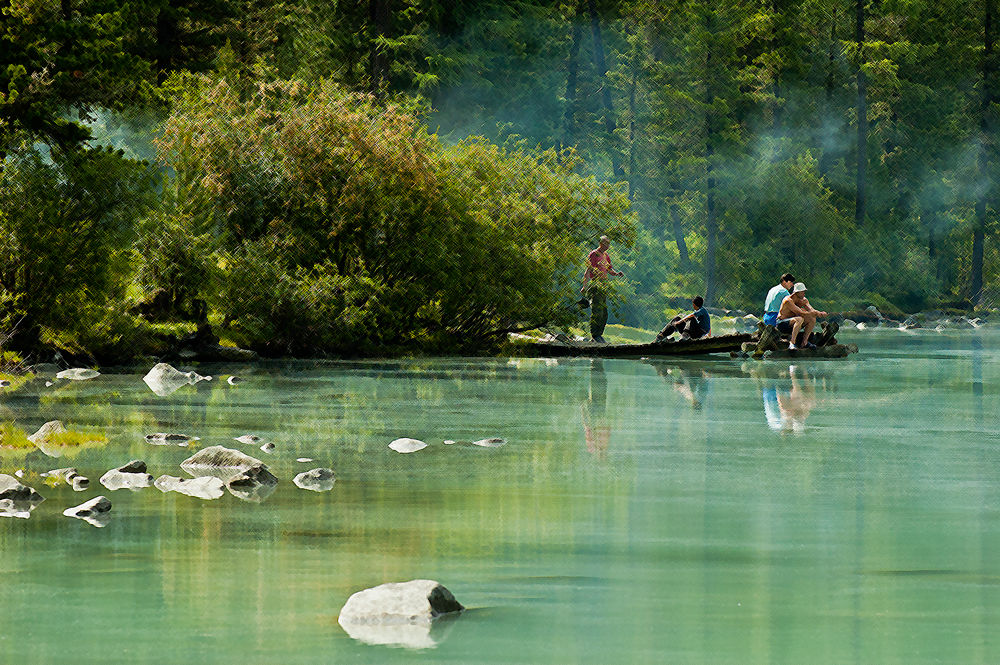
797	315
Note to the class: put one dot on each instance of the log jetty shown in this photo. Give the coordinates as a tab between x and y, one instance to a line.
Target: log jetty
769	343
566	347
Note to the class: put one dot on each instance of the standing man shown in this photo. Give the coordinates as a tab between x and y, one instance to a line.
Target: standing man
772	303
598	269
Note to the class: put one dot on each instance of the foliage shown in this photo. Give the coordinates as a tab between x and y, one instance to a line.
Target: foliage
346	226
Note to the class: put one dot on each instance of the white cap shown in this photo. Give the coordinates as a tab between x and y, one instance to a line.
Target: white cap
799	286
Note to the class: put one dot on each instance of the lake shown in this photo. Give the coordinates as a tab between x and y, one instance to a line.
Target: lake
683	511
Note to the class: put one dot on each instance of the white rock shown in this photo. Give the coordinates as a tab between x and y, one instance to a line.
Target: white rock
46	430
449	442
205	487
400	613
304	459
4	383
69	476
494	442
164	379
131	476
78	374
254	484
248	439
17	500
268	447
315	480
233	380
407	445
94	512
220	462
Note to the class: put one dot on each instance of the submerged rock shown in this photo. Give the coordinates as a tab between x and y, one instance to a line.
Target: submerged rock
131	476
254	484
398	613
164	439
78	374
494	442
248	439
70	477
165	379
407	445
268	447
220	462
205	487
315	480
17	500
94	512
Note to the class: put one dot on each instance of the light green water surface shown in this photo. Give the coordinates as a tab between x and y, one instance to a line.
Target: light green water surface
682	511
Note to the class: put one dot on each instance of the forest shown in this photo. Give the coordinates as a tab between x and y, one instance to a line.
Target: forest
416	176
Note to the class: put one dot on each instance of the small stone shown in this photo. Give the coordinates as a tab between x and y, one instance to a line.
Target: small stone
99	504
131	476
304	459
268	447
406	445
248	439
254	484
449	442
495	442
165	439
233	380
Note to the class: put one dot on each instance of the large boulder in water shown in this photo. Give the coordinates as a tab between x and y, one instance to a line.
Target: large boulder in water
17	500
94	512
165	379
416	601
131	476
220	462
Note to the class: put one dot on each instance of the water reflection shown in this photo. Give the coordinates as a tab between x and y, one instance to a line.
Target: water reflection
594	411
692	383
789	394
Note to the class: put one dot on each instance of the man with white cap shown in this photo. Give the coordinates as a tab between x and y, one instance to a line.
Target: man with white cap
797	315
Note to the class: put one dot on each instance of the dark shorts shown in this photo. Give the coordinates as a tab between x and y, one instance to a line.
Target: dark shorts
784	326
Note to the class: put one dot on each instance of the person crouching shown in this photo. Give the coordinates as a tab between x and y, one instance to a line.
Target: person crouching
695	325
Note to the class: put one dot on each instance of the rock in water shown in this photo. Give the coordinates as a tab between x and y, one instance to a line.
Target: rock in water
397	613
17	500
227	465
495	442
315	480
255	484
248	439
132	476
70	477
164	439
164	379
78	374
4	383
233	380
47	430
206	487
268	447
407	445
94	512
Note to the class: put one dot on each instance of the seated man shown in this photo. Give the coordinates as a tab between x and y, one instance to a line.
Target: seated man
694	325
798	316
772	303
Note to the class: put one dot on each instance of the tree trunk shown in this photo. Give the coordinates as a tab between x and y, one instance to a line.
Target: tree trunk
986	180
711	223
682	248
860	198
572	70
166	43
602	74
827	156
633	83
378	22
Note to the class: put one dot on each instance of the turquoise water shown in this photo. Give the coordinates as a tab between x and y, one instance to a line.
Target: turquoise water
687	511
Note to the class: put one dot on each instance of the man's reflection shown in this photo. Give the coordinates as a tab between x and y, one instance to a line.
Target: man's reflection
693	384
786	406
595	411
